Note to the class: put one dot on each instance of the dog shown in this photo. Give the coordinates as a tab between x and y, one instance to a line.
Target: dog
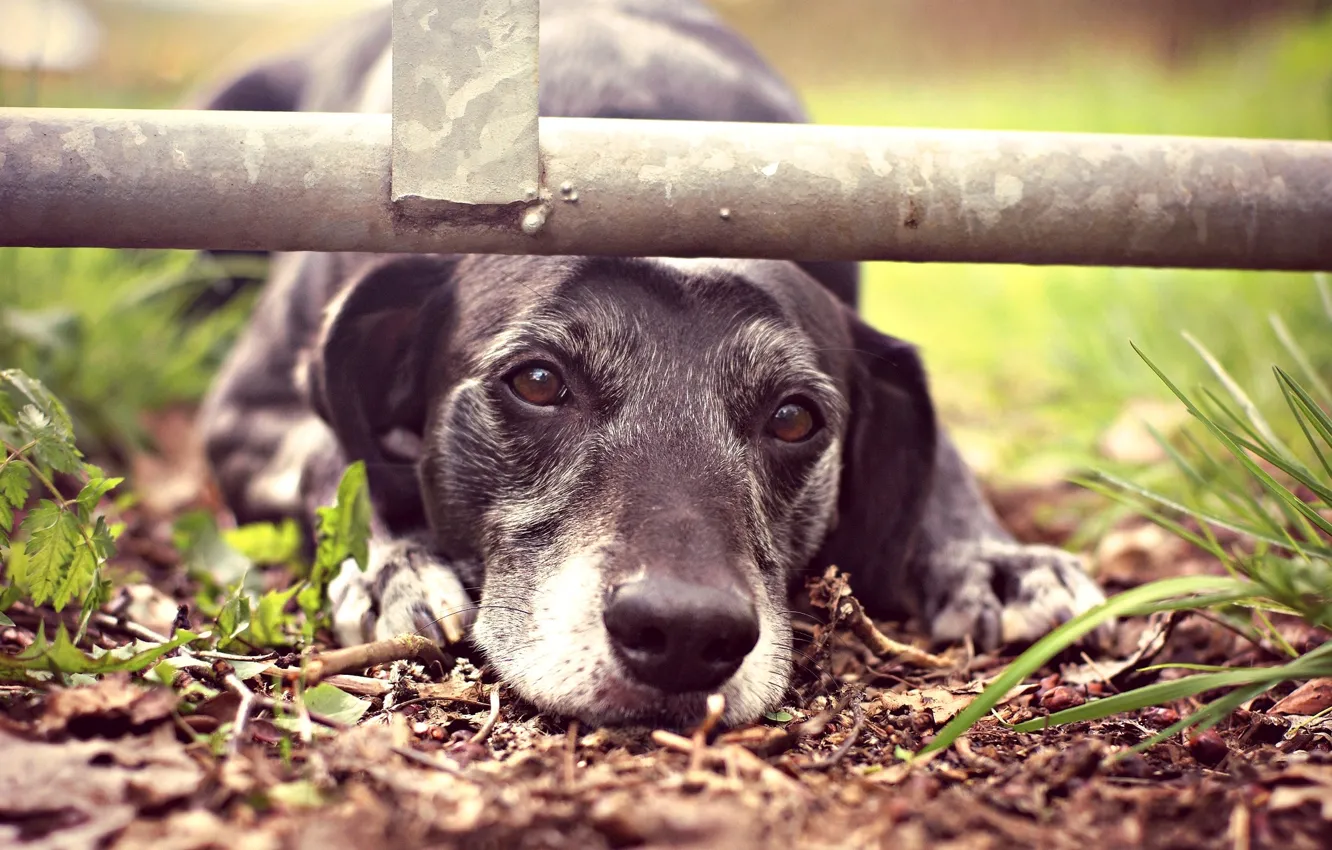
610	474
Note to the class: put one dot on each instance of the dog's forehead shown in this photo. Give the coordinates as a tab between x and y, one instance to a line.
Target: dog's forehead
730	320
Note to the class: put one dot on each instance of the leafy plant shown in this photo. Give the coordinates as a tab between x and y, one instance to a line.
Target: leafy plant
1279	501
66	542
252	618
57	553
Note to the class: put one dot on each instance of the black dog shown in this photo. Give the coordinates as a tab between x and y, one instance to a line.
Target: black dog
632	460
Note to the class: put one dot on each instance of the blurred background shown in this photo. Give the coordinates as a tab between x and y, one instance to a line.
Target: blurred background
1032	366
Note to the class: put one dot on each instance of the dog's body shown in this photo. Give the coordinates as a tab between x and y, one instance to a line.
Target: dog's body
632	460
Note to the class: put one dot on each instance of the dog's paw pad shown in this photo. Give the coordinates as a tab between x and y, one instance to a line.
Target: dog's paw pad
1009	593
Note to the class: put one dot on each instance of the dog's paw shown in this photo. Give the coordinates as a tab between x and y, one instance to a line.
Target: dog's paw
404	589
1000	592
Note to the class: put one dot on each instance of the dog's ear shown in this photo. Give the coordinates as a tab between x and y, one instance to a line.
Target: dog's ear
367	376
888	459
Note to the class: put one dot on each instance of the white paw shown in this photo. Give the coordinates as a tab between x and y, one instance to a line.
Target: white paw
1001	592
404	589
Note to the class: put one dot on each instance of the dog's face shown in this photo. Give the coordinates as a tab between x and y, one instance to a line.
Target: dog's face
641	455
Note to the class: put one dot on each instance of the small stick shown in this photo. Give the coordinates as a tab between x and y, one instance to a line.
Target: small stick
129	627
571	754
716	707
210	655
363	685
486	728
251	698
853	614
1098	671
432	763
858	711
743	758
446	690
400	648
238	728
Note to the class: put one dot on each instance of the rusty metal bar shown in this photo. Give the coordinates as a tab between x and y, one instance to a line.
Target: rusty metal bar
292	181
464	103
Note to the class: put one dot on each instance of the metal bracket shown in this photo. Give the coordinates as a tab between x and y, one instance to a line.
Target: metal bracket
464	104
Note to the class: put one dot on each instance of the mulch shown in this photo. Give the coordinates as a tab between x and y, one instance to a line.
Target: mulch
119	765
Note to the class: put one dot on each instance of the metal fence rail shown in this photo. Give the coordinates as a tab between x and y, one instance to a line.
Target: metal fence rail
182	179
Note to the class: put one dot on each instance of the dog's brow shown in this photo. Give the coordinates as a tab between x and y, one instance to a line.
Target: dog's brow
766	351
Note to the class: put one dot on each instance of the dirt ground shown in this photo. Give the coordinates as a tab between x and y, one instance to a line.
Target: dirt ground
456	761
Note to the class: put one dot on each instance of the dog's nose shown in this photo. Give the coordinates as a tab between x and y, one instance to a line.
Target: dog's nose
678	636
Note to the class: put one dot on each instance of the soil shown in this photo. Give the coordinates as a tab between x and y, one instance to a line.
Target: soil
120	765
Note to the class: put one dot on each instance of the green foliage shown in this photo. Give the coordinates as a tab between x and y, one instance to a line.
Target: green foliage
1263	488
227	562
335	704
65	541
343	532
107	332
62	657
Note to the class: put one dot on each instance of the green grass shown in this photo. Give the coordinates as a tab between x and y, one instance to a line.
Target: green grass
1032	363
1283	566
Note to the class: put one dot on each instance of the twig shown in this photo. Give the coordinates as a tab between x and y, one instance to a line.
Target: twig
486	728
1087	659
858	712
211	655
718	755
571	753
716	707
128	627
853	614
251	698
238	728
432	763
446	690
363	685
400	648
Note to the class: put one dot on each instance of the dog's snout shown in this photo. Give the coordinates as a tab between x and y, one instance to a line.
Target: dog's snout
678	636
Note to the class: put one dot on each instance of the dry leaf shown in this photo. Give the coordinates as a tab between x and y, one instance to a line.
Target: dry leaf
110	707
76	794
1307	700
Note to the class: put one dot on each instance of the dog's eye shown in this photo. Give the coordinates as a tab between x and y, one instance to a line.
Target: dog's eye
538	384
793	421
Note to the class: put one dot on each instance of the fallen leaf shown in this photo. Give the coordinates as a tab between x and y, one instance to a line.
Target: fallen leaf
109	708
943	704
76	794
1150	643
1307	700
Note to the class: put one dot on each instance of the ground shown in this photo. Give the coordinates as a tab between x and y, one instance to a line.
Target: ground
434	762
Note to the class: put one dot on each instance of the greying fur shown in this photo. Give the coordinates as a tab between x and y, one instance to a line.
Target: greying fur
532	527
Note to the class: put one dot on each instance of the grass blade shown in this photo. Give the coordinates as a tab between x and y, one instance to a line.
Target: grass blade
1155	694
1283	495
1066	635
1278	539
1301	359
1237	393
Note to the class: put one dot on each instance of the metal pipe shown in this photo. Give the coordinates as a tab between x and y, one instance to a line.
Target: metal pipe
291	181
